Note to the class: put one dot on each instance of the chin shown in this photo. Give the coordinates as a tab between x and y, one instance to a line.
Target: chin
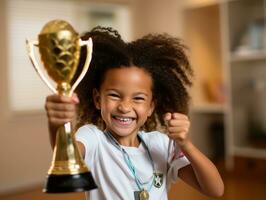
122	132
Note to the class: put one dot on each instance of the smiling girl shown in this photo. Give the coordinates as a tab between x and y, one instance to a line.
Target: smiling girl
133	129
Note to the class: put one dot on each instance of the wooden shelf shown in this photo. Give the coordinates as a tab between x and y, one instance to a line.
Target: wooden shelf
208	108
213	59
249	56
252	152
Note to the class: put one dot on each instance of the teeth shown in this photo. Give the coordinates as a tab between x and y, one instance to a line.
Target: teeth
123	119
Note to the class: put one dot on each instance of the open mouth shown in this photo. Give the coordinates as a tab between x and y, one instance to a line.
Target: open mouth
123	120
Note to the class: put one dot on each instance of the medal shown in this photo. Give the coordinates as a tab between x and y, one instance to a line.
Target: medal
158	179
144	195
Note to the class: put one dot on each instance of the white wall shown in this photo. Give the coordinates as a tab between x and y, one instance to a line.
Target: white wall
25	153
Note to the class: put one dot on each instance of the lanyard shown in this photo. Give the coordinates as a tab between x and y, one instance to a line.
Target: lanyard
130	164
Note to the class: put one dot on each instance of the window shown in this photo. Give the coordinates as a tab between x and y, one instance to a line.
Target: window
25	20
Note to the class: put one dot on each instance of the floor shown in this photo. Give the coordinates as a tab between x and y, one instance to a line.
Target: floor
246	182
236	187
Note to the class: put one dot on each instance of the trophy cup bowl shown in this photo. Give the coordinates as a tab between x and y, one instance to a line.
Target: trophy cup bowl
59	47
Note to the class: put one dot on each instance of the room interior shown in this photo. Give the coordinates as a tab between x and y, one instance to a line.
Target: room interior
227	47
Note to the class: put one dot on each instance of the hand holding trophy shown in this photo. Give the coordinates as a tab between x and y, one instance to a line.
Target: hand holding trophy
59	47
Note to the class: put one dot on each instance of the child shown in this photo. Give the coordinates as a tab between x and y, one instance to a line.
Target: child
130	91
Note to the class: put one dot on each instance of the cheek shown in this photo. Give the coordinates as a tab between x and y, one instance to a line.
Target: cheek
107	106
105	113
144	111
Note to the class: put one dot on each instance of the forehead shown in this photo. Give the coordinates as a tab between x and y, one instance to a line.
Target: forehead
131	77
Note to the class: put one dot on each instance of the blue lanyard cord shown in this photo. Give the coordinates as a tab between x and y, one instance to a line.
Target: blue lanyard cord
131	165
133	171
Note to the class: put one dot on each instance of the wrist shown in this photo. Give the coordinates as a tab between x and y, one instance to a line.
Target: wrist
186	146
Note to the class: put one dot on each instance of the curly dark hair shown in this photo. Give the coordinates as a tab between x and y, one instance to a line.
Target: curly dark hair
162	56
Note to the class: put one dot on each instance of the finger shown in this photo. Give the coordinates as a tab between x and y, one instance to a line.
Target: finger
59	99
167	117
75	98
59	122
178	122
179	116
177	130
60	106
61	114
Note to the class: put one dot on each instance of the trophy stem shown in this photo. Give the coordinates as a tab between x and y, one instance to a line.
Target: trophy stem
68	172
64	89
66	157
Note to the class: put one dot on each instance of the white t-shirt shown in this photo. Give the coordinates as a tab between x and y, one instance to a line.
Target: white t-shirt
111	173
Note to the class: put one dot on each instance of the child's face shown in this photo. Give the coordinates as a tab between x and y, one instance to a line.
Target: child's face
125	100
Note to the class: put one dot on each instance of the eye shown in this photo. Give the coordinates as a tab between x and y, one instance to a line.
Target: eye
139	99
113	95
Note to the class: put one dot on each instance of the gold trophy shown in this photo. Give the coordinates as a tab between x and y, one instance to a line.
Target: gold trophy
59	47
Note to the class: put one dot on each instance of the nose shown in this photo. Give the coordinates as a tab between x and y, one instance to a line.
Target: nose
124	106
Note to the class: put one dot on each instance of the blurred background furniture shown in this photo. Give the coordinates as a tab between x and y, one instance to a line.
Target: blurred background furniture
226	40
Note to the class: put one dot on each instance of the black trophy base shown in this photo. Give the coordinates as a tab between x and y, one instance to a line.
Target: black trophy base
69	183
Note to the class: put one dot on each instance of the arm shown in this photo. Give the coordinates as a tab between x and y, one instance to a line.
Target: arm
202	173
59	110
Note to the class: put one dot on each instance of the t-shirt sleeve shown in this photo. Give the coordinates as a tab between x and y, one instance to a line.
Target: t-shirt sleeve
87	135
176	161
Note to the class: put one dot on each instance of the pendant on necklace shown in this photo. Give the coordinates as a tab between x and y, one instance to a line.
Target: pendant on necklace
144	195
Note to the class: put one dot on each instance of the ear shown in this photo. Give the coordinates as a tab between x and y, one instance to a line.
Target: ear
151	108
96	99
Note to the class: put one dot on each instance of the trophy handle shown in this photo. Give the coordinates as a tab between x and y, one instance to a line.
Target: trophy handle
30	45
88	43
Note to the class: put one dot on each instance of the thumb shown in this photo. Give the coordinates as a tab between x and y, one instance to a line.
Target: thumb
167	117
75	98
